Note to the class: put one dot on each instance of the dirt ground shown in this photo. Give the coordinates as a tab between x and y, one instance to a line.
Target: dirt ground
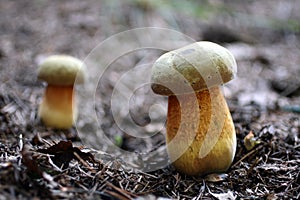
37	162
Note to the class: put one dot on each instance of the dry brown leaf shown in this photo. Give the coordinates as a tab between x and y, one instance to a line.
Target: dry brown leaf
32	167
216	177
250	141
64	152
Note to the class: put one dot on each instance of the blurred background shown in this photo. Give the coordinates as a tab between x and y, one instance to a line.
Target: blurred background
262	35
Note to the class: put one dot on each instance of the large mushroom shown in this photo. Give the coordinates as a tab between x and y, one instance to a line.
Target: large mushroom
200	136
58	107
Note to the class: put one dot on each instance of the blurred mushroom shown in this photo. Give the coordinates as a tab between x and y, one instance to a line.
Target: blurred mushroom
198	118
58	107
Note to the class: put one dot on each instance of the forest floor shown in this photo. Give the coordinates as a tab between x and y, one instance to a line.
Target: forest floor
37	162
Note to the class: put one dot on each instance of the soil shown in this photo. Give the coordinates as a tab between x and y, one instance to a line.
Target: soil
37	162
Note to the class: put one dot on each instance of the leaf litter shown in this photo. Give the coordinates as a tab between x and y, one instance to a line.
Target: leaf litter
60	168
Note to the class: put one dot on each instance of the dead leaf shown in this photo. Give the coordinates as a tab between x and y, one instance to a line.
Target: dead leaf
64	152
250	141
32	167
271	197
221	196
216	177
37	140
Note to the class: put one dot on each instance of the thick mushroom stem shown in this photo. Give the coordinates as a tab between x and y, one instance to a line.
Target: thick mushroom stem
57	107
181	119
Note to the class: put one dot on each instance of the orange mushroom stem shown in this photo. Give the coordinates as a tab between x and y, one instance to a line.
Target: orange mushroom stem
221	155
56	108
200	132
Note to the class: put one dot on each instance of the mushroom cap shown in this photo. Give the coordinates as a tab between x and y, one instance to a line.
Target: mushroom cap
62	70
194	67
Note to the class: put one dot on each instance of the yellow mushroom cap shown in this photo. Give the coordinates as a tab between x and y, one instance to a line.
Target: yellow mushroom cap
62	70
195	67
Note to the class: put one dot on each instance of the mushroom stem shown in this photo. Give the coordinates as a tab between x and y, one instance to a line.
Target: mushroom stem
56	109
191	125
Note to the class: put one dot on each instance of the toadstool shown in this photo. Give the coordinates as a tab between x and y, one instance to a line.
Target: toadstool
58	107
200	136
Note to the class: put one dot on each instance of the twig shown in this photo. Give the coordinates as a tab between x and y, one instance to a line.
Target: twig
123	192
247	155
84	163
